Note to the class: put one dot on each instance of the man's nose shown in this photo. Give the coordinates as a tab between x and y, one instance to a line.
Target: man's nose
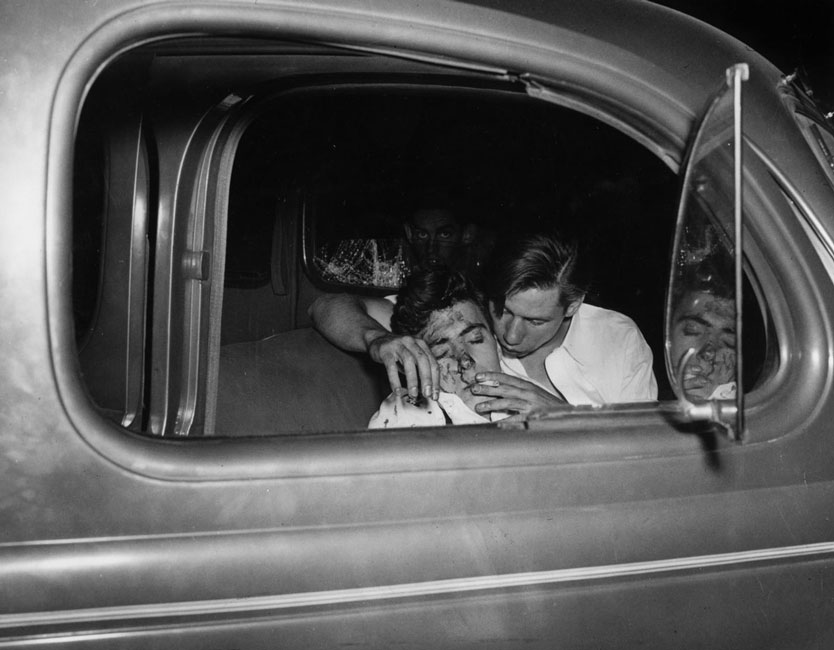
514	332
466	362
432	249
707	352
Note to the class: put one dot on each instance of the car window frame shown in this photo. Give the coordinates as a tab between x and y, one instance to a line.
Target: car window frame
236	458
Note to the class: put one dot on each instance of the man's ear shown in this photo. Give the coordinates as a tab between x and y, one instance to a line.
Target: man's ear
409	235
470	231
574	307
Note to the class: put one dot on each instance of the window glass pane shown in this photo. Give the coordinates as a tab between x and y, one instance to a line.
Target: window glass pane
702	309
702	339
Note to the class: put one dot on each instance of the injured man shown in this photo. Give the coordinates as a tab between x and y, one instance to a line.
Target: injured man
444	310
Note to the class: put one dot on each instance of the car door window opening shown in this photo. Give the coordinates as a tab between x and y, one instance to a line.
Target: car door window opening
187	455
326	175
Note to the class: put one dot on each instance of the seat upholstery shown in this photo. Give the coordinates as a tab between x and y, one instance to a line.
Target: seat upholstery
295	381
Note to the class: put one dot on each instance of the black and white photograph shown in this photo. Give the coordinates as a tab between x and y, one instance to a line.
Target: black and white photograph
396	324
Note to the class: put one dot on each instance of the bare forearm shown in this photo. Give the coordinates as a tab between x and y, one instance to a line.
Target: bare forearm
344	321
359	324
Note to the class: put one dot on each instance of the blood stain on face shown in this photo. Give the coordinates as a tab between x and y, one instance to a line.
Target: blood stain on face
705	323
461	341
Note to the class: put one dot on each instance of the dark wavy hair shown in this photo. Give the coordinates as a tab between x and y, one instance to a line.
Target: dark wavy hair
429	290
536	261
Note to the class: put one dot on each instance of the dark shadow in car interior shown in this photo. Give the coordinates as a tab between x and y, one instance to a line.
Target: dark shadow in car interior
515	165
344	158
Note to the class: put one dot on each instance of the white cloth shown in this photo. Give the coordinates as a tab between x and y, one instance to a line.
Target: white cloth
395	412
724	391
604	359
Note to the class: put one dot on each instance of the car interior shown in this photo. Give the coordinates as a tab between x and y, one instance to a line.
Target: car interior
222	185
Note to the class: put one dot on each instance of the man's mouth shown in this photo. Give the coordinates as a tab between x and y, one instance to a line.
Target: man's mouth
511	350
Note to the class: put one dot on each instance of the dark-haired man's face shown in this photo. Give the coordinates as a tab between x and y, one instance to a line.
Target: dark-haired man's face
436	237
532	320
460	339
705	323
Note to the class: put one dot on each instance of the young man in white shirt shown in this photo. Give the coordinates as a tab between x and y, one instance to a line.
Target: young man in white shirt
579	353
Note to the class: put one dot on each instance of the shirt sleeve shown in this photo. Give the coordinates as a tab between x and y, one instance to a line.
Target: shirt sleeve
638	380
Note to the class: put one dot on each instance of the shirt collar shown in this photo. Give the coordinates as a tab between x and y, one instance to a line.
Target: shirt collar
572	345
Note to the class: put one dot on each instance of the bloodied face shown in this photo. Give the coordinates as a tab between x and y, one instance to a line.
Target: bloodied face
705	323
460	339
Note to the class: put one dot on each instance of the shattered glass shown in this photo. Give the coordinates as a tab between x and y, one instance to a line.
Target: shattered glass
379	263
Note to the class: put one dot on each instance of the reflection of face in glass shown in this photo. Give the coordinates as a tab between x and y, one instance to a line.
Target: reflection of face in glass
460	339
435	238
705	323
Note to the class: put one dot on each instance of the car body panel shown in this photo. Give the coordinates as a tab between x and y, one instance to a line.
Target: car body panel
597	528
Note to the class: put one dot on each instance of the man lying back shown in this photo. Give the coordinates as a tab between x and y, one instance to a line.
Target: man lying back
442	308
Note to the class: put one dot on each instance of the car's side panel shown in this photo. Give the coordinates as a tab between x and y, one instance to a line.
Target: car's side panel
405	538
763	602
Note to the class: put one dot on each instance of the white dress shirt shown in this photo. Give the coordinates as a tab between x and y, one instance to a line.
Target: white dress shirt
604	359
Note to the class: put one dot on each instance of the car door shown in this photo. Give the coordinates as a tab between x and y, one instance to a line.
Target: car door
590	527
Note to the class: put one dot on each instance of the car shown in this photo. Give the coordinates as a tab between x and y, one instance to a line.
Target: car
184	459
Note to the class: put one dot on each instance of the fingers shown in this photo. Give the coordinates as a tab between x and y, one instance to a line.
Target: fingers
504	380
380	351
412	376
502	390
393	371
412	358
516	405
499	384
429	371
419	367
507	386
